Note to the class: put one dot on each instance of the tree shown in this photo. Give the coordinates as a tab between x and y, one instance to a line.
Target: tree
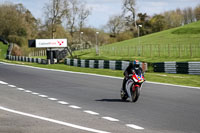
78	13
83	15
17	23
173	18
143	19
197	12
116	24
54	11
158	23
189	16
72	16
129	12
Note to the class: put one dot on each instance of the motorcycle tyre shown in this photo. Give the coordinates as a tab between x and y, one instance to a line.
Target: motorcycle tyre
135	95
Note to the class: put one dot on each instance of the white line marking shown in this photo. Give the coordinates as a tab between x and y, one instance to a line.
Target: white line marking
110	118
91	112
34	93
81	73
62	102
54	121
135	126
4	83
21	89
43	96
75	107
198	88
28	91
11	86
53	99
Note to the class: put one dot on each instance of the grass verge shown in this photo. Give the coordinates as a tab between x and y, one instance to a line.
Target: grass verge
177	79
3	50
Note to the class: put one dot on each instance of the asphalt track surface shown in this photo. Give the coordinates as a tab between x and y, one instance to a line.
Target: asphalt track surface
37	100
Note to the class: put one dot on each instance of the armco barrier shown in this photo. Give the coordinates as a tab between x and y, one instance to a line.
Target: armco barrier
194	68
178	67
102	64
27	59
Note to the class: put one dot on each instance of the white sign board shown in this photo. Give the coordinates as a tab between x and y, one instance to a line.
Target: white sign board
51	43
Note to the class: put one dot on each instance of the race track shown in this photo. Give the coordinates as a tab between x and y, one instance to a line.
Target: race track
40	100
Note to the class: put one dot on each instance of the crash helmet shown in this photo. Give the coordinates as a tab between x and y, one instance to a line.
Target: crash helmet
136	63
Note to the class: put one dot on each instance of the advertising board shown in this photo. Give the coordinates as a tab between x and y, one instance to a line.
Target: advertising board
51	43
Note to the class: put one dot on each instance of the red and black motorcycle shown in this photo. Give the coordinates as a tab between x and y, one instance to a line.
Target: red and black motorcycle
133	86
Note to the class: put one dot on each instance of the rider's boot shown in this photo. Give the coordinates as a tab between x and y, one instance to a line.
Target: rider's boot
123	85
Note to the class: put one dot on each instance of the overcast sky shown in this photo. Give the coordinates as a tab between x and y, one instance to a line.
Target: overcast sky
102	9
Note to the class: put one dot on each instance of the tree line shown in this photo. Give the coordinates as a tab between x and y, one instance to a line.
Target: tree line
68	19
63	19
126	25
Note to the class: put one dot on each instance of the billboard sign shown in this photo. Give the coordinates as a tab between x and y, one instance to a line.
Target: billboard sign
51	43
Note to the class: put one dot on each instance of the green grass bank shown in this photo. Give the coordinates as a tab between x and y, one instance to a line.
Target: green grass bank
179	44
3	50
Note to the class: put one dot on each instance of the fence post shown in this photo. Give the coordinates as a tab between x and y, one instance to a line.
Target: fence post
150	50
128	51
190	51
142	50
135	50
179	50
168	50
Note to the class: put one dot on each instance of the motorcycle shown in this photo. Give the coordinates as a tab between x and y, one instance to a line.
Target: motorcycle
133	86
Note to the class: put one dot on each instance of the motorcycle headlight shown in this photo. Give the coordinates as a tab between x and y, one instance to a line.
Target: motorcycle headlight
135	79
142	80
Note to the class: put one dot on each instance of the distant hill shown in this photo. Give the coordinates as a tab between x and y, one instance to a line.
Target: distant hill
177	44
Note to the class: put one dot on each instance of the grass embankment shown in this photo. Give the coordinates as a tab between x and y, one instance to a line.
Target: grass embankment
178	79
178	44
3	50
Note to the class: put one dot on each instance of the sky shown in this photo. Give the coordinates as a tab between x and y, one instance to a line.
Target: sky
103	9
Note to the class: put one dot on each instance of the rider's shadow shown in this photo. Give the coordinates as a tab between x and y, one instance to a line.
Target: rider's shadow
111	100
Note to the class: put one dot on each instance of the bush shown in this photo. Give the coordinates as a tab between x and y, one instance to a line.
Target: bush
125	36
16	51
17	40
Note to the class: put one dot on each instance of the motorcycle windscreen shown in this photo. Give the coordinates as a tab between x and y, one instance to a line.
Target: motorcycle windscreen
137	72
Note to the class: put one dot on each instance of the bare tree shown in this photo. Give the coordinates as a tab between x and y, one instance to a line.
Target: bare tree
77	16
116	24
197	12
83	15
54	12
189	16
173	18
72	16
129	11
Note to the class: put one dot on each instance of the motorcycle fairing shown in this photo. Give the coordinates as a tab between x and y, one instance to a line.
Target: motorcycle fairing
128	86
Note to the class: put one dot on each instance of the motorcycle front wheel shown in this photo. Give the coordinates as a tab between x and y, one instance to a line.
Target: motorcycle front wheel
135	94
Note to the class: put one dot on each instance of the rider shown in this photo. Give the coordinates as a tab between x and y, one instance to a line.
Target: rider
129	70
